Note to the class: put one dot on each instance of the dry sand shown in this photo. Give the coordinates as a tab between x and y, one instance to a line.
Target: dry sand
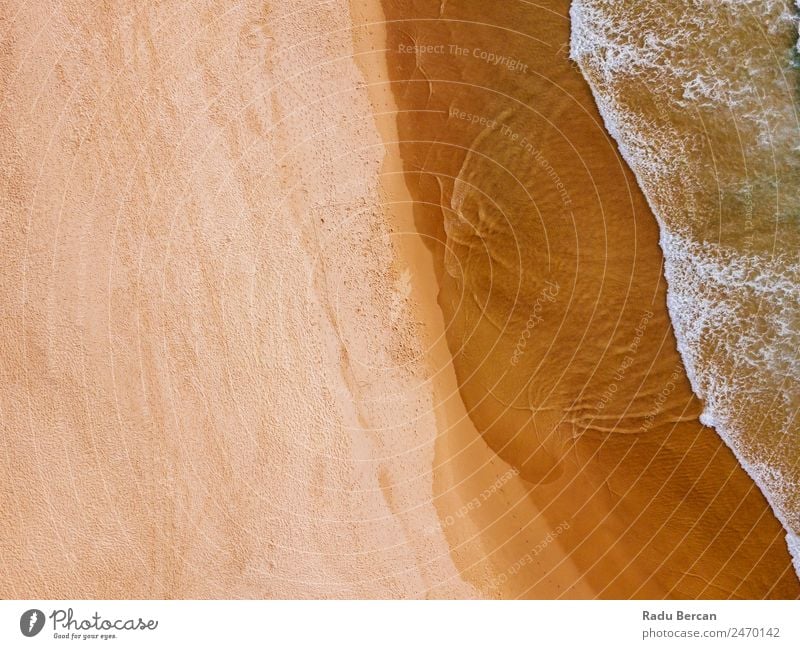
210	384
235	364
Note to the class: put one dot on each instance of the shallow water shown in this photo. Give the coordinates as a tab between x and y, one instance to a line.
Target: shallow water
702	99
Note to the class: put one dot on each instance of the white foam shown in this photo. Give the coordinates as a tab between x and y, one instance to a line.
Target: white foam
793	541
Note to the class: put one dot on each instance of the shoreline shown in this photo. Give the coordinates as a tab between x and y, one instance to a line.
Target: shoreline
751	236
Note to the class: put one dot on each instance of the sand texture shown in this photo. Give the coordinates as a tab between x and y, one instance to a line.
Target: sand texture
204	390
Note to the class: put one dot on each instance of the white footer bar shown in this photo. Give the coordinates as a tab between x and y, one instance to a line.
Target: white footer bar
389	624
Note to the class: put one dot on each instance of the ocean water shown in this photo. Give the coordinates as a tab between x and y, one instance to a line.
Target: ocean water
701	97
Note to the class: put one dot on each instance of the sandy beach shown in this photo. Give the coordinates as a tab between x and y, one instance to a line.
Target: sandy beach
205	392
341	300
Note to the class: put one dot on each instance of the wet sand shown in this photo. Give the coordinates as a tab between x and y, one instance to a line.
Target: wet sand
467	473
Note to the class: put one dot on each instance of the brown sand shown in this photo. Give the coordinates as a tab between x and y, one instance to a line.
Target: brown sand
552	291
